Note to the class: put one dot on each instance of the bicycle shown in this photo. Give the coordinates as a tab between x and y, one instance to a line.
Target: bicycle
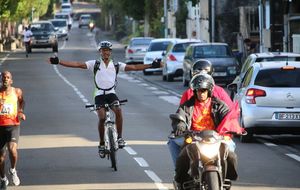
110	132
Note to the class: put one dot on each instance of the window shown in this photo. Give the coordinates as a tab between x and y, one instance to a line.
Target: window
158	46
139	42
278	78
247	79
214	51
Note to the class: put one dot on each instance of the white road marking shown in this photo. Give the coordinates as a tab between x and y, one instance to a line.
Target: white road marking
156	179
171	99
270	144
152	88
130	150
4	59
141	161
294	156
160	92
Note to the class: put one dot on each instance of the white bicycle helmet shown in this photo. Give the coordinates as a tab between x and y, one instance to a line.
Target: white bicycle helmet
104	45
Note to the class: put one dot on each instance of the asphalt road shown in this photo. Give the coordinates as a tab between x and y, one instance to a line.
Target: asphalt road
58	143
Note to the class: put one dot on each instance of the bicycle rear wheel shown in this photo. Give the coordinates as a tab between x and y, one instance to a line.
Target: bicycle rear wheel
113	151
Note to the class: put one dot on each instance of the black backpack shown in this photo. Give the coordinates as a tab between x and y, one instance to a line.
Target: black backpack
96	68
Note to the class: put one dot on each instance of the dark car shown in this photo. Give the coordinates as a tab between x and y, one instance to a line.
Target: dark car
44	36
225	65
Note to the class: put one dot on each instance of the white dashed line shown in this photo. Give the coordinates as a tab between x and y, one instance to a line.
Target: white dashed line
4	59
171	99
294	156
141	161
156	179
270	144
130	150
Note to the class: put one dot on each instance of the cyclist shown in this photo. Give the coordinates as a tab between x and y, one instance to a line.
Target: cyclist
105	75
27	37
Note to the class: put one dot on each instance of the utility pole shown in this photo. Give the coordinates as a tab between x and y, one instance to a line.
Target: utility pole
165	18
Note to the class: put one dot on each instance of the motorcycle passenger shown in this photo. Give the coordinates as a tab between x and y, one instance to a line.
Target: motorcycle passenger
202	111
203	65
105	75
200	66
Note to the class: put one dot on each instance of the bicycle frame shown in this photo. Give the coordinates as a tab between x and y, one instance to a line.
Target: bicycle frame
110	133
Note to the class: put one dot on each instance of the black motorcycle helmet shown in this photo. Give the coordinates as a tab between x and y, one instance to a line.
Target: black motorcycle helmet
202	65
202	81
104	45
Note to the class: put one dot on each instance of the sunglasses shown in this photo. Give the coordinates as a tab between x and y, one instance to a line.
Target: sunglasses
202	90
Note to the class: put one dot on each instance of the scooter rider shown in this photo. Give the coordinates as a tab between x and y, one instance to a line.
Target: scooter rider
200	66
105	75
202	112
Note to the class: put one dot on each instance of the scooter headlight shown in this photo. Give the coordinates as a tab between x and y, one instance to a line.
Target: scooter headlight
209	150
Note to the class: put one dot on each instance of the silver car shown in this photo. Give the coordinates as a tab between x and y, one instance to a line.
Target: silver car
264	57
173	58
269	99
136	50
62	26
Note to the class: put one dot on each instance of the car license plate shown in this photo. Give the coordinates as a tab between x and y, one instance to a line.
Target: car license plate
288	116
219	74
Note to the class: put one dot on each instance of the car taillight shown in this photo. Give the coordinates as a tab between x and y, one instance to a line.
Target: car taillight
252	93
172	57
130	51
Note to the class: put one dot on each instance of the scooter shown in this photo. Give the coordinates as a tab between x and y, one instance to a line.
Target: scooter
91	26
206	171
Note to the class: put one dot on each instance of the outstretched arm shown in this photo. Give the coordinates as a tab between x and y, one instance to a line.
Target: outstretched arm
155	64
73	64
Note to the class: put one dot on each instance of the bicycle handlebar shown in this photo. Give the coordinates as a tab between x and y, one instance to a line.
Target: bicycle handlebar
93	105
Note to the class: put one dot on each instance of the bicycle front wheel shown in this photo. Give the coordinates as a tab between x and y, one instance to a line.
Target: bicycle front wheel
113	151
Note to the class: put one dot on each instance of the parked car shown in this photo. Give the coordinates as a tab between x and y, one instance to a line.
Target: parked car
62	28
225	65
268	97
136	50
173	58
66	16
84	20
155	50
44	36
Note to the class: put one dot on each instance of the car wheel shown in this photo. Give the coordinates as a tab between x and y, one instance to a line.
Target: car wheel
249	136
147	73
170	78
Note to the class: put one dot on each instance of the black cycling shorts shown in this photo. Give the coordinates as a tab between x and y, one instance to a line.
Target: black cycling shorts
100	100
9	134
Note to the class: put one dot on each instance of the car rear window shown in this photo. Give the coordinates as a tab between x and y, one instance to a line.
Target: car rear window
181	47
60	23
140	42
278	78
263	59
158	46
62	16
212	51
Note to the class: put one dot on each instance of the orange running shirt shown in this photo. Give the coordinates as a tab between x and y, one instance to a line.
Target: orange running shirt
202	116
9	109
